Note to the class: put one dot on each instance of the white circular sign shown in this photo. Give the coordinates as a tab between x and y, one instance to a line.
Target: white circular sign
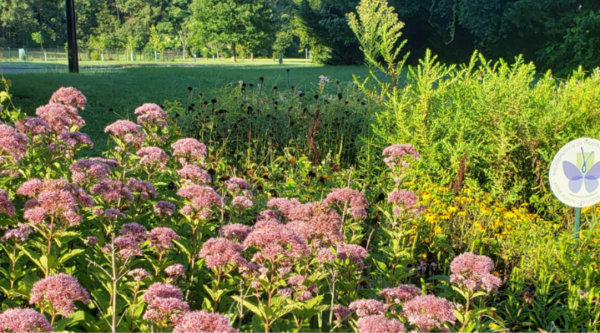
575	173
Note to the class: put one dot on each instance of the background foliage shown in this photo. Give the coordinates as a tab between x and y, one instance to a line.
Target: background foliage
557	34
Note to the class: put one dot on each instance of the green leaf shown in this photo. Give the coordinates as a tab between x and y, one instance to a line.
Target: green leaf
65	257
257	324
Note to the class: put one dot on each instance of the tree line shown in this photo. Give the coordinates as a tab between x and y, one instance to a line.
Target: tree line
557	34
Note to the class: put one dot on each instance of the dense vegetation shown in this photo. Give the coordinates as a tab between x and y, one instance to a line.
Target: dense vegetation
418	202
557	34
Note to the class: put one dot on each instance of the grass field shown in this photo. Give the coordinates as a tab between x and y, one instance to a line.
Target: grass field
63	65
125	89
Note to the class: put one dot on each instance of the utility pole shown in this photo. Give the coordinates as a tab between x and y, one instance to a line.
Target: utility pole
72	37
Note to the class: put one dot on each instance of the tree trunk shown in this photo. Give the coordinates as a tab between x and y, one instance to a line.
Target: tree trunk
182	37
252	57
233	58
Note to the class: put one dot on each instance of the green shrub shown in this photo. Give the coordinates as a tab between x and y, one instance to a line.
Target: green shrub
504	121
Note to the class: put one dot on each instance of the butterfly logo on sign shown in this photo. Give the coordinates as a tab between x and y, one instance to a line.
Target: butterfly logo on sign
584	172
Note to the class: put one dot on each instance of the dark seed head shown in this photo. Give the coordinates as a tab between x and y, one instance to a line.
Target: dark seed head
190	88
340	96
275	88
316	96
261	79
287	70
110	110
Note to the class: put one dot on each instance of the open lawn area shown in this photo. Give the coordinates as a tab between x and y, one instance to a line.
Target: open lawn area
124	89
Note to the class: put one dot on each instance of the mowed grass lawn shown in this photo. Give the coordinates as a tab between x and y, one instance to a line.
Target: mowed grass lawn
123	90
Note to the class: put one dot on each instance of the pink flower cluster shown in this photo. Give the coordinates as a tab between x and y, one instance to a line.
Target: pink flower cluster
139	274
194	175
6	206
61	118
175	271
284	205
404	200
322	223
88	171
33	126
164	208
401	294
241	203
57	293
189	150
236	184
354	253
162	238
165	312
303	293
12	143
166	306
125	247
428	312
341	313
111	190
17	235
397	152
218	252
75	140
379	324
204	322
353	201
275	242
162	290
53	197
141	189
236	231
151	113
153	157
474	272
91	241
24	321
70	97
202	199
130	132
136	232
367	307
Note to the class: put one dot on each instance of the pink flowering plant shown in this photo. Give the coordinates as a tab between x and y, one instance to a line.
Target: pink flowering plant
221	219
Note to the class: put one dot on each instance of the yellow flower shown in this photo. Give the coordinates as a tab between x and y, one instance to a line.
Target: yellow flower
426	196
409	183
586	209
468	191
461	213
452	209
479	227
437	230
596	240
431	218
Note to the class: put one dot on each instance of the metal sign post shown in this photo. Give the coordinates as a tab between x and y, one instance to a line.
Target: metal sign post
72	37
